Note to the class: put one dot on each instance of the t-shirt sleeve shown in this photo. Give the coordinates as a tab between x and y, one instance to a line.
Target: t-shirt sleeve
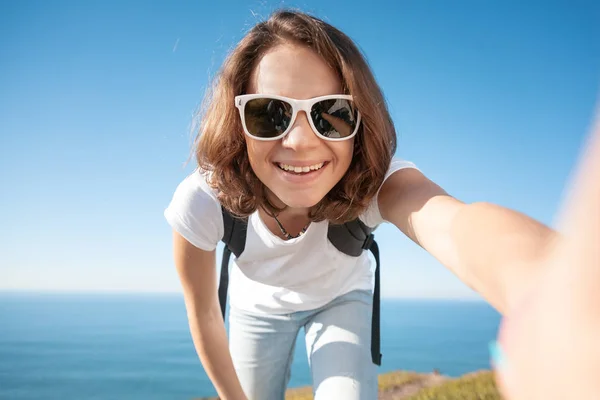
194	212
372	216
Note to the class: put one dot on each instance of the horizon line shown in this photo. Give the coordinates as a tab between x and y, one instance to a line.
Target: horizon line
115	292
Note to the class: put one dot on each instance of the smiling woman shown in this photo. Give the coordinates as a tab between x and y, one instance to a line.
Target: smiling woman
296	139
295	136
292	57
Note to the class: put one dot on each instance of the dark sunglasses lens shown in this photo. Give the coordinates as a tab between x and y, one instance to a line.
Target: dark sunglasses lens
334	118
267	118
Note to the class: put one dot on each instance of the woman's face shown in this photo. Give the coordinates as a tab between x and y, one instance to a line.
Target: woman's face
297	72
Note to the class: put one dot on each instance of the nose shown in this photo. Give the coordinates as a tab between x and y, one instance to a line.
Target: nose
301	136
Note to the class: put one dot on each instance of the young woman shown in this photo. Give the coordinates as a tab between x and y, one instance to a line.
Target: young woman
296	136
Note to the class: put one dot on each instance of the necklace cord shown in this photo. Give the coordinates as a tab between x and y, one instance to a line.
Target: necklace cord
285	233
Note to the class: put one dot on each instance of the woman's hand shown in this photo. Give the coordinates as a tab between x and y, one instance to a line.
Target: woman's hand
549	344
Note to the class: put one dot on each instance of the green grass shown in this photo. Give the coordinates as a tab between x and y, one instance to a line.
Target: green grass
479	386
397	378
476	386
386	381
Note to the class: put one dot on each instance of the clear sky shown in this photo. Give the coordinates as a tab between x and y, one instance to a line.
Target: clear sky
491	100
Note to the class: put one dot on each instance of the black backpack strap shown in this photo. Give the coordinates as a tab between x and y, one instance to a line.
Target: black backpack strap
350	238
375	318
353	238
224	280
234	238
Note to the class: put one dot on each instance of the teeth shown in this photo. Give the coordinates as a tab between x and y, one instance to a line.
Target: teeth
298	170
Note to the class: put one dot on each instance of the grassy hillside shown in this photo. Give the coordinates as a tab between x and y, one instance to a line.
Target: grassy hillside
405	385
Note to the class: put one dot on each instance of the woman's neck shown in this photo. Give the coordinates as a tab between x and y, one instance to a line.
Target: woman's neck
292	221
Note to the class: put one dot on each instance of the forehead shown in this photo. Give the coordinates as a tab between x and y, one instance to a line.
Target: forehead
293	71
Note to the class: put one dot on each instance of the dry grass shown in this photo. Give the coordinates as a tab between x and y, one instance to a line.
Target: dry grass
476	386
405	385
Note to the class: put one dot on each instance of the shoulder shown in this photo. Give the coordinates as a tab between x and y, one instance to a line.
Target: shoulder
195	213
419	207
195	190
404	184
373	216
396	165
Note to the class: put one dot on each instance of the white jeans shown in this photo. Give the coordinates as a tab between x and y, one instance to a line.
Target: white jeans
338	343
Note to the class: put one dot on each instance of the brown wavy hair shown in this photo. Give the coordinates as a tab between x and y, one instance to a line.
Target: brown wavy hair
220	145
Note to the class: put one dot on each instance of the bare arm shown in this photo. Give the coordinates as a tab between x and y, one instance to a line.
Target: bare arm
197	273
550	341
490	248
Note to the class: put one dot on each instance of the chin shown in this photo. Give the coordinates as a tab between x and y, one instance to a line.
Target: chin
300	200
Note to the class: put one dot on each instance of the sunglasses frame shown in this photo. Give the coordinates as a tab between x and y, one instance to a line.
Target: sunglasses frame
297	105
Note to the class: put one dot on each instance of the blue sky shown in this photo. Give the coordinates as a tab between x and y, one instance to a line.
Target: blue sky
491	99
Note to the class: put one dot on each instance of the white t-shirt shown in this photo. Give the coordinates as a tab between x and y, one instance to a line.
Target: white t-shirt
273	275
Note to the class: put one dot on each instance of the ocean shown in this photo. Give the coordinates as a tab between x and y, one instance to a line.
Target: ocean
138	346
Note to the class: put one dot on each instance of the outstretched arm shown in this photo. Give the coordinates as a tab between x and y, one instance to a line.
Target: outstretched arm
492	249
551	339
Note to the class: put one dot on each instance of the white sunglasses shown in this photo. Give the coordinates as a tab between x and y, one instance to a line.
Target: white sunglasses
270	117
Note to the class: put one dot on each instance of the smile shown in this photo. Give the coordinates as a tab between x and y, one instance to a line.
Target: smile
300	170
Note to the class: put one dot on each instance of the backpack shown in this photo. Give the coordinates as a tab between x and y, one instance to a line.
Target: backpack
351	238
